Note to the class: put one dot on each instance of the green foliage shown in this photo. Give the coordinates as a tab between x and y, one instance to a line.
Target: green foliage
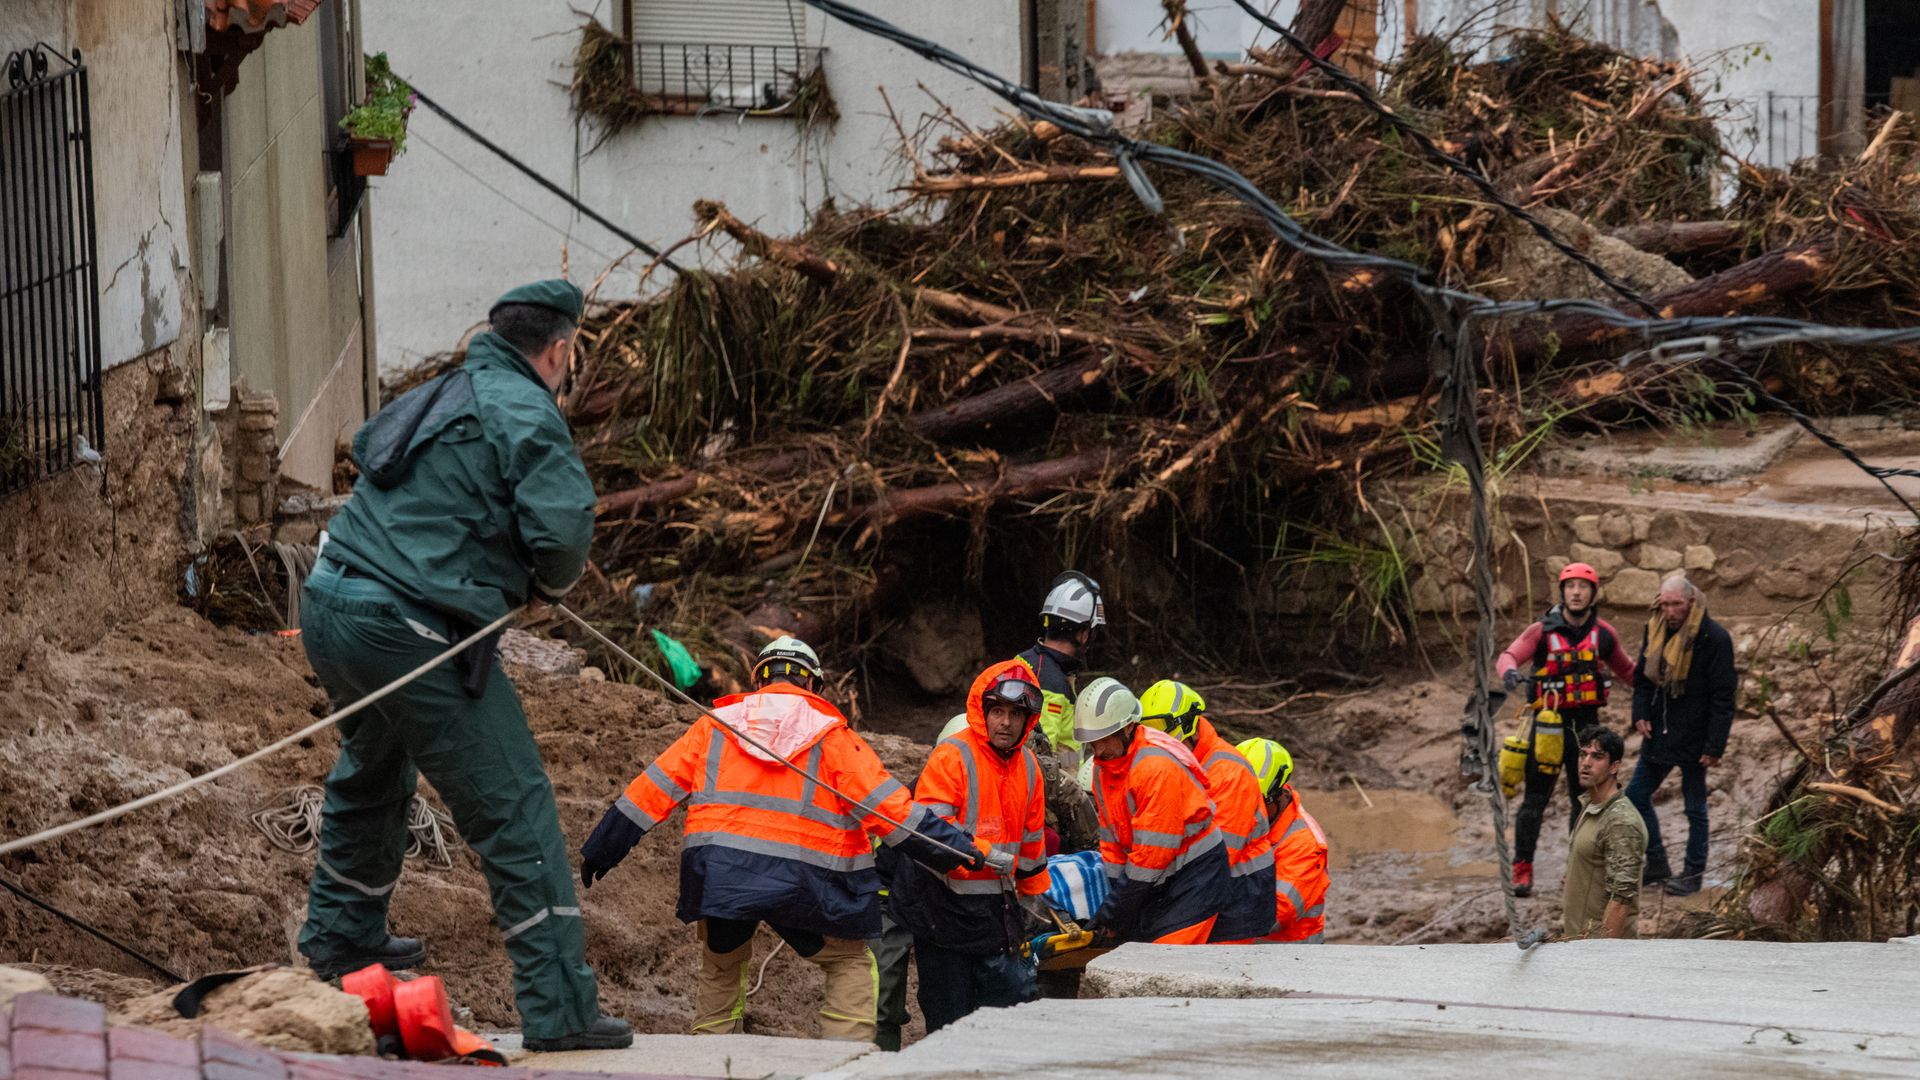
389	102
1794	832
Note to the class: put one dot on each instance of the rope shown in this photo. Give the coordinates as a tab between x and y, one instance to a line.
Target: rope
762	977
104	816
970	856
293	825
80	924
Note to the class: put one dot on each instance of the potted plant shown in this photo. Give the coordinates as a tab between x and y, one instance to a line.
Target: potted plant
377	128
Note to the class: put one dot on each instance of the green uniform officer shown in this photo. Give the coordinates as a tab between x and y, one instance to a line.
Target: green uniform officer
471	502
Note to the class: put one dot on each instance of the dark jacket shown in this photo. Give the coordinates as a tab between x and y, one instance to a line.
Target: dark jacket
1696	723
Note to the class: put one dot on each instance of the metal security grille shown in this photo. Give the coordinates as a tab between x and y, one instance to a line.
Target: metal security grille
49	279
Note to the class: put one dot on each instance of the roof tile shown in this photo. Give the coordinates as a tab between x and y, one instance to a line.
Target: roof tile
257	16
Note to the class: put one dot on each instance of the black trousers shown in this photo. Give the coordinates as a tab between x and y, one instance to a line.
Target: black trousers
1538	791
726	935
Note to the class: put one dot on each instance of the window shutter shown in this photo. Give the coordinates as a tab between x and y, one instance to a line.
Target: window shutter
720	22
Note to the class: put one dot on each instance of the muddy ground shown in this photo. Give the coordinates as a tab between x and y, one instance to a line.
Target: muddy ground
194	884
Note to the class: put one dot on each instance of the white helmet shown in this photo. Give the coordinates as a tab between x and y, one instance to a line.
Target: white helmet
1085	776
954	727
785	657
1103	708
1075	598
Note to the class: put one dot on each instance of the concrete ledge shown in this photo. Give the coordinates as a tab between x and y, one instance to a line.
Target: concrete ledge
741	1057
1367	1039
1861	989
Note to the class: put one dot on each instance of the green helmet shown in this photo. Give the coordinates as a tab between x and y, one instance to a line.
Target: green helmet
1104	707
1172	707
1271	762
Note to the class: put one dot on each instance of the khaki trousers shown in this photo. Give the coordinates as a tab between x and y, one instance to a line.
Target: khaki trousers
848	1000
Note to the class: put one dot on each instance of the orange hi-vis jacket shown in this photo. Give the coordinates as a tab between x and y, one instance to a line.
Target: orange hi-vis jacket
1300	873
1000	800
1240	813
1166	862
763	841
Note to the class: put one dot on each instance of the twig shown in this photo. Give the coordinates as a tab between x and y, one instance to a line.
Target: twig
1361	790
1046	174
893	380
1850	791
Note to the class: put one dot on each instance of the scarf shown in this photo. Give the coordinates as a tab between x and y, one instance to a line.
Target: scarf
1669	657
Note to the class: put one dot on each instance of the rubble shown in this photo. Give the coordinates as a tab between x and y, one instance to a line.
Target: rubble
281	1008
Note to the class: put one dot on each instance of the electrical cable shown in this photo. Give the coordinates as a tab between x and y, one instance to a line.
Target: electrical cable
506	198
527	170
970	856
81	924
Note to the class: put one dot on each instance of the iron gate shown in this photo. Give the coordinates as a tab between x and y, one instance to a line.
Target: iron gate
49	279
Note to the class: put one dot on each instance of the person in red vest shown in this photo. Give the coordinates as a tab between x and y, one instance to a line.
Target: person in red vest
968	925
1299	849
1568	656
765	843
1240	810
1164	857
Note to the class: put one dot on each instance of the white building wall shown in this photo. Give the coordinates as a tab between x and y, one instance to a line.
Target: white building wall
457	227
1775	117
140	210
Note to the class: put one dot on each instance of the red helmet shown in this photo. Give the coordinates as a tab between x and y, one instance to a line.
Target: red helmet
1581	571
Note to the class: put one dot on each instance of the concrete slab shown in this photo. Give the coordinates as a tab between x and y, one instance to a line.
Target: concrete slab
1365	1039
1861	989
741	1057
1729	455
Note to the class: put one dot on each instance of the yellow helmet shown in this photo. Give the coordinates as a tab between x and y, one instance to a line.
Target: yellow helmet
1271	762
954	727
1172	707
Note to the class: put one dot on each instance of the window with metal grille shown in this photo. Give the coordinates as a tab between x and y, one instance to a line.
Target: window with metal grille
747	56
50	407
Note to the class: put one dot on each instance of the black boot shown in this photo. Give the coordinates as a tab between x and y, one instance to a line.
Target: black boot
605	1033
397	953
1685	884
1657	869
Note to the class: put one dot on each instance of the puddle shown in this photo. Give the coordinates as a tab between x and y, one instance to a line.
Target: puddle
1412	822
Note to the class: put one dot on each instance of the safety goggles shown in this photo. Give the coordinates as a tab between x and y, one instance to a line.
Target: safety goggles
1019	693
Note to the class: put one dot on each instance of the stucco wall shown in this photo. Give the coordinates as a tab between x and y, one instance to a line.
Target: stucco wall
447	245
294	301
139	190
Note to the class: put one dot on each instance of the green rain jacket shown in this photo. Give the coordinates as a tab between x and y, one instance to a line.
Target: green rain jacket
494	507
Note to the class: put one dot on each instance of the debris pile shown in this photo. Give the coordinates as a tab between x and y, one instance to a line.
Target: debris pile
1022	363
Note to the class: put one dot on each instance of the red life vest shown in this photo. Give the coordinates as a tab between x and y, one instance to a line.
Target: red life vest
1570	674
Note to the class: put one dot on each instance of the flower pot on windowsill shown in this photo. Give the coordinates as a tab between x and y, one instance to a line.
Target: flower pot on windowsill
371	156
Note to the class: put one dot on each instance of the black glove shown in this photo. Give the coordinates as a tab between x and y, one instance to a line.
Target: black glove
591	872
1104	937
1512	679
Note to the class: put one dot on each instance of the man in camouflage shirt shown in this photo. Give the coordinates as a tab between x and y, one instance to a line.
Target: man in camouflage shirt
1608	850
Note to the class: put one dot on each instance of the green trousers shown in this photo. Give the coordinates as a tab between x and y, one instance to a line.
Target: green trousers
891	953
480	757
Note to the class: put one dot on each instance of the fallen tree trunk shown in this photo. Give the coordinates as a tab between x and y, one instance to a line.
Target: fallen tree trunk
1681	237
1014	400
715	215
679	487
950	498
1048	174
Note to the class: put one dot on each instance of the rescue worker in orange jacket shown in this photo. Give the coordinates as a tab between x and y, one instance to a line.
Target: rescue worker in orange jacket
1240	807
766	843
1299	849
968	925
1165	861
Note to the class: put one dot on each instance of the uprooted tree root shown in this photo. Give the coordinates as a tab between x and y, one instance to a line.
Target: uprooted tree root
1024	350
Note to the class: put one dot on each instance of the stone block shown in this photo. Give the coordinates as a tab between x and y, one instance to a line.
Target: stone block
1678	529
1616	528
1555	564
260	402
14	982
1586	529
1697	557
1731	569
1642	525
259	421
1503	597
1632	588
1787	583
1657	558
297	532
1427	595
246	506
1604	560
256	468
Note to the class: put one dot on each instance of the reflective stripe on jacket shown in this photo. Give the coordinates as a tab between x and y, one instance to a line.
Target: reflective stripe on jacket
1165	859
1240	813
1001	802
1053	673
1300	875
763	841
